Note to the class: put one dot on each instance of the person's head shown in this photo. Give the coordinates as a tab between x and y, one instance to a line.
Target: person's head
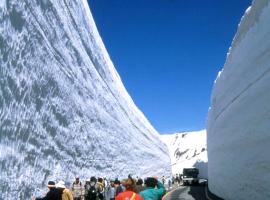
100	180
150	182
51	184
139	181
61	184
129	184
93	180
117	182
112	183
77	180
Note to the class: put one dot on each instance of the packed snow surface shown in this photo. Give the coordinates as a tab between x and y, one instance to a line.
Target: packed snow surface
239	118
64	111
187	149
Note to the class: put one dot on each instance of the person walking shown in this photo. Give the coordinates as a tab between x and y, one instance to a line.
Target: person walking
177	179
66	193
112	191
91	192
163	180
53	194
77	189
170	184
106	188
154	189
100	188
130	192
118	187
139	185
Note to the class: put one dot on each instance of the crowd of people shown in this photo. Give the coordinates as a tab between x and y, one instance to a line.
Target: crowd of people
102	189
177	179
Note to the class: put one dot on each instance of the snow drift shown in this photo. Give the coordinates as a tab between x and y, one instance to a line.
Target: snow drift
64	111
187	149
239	117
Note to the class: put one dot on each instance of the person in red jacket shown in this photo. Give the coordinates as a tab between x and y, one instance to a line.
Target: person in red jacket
130	192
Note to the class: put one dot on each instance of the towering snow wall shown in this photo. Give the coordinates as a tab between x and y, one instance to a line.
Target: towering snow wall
187	149
239	117
64	111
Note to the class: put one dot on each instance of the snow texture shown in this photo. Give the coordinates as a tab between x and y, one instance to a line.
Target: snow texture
239	117
187	149
64	111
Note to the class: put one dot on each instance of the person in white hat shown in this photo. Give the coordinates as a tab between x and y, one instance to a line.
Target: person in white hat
66	194
53	193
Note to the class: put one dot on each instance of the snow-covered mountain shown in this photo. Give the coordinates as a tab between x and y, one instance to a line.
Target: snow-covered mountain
187	149
239	117
63	108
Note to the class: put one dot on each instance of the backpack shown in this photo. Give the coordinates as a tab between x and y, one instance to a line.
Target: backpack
74	183
91	192
118	190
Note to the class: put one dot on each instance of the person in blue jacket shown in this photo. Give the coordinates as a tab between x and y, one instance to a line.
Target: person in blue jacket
154	189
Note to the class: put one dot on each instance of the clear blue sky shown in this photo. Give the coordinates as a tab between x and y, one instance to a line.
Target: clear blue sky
168	53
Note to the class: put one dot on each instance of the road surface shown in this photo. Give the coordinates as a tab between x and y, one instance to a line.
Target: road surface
187	193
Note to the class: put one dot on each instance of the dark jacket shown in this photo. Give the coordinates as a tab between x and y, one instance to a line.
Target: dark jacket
53	194
118	190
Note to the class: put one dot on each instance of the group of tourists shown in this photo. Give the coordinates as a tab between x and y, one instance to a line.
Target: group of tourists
102	189
177	179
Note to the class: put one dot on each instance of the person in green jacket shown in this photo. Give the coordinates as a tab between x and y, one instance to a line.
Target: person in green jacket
154	189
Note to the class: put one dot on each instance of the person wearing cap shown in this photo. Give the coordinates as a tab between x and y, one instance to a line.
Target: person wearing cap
118	187
154	189
130	192
53	194
66	194
91	191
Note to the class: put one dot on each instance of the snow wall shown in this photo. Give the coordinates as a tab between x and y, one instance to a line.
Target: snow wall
64	111
239	117
187	149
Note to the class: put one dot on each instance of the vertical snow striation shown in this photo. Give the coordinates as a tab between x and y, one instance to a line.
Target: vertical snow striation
239	117
64	111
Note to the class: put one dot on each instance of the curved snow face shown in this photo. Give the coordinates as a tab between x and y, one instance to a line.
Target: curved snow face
239	118
63	108
187	149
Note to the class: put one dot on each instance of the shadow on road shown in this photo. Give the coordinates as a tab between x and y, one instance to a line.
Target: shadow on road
190	193
212	196
197	192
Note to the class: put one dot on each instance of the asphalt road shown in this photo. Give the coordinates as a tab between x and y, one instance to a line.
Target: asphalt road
187	193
